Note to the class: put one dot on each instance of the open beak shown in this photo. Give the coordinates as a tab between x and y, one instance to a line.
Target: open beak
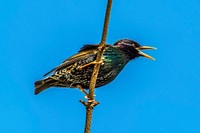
146	48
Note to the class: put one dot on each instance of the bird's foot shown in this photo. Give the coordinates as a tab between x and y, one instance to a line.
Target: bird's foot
90	102
91	63
88	98
86	94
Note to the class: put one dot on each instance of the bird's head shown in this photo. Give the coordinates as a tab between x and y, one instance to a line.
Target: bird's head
133	49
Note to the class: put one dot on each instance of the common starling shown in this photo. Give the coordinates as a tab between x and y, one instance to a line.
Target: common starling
77	69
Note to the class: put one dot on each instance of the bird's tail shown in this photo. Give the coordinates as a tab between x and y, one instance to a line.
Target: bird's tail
41	85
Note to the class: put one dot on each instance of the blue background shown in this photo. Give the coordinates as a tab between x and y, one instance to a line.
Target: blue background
147	97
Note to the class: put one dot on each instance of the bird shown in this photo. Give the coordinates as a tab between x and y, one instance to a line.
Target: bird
76	71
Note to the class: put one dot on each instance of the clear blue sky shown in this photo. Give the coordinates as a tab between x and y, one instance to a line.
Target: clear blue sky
161	96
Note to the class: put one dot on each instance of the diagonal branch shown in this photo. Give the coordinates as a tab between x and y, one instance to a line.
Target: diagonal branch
91	103
101	50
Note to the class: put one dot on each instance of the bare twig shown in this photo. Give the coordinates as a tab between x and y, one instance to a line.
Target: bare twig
106	23
91	103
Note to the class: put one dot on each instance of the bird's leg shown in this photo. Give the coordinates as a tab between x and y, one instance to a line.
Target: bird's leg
86	94
91	63
82	90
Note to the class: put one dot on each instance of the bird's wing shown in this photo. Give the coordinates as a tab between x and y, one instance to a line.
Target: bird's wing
85	52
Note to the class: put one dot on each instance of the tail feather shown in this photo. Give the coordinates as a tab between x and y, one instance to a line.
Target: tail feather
41	85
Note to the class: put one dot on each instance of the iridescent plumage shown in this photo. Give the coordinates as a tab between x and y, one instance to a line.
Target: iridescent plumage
114	58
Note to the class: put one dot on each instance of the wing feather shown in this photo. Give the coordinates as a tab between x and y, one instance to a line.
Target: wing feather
83	53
